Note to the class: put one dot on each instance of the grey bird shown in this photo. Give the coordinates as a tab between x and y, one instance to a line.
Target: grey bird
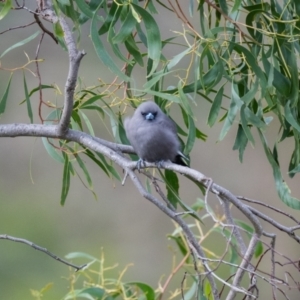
153	135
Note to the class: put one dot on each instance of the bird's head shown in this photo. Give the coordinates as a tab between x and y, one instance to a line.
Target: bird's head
149	111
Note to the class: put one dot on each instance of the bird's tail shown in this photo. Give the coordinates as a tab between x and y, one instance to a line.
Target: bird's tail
181	159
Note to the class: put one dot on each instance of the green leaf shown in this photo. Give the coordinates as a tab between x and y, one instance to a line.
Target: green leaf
191	136
64	2
236	6
122	133
95	108
52	151
110	168
283	190
215	108
4	97
251	18
177	58
241	142
184	101
29	109
77	120
145	288
126	29
43	86
91	100
133	49
250	59
281	83
102	53
191	292
91	155
180	244
115	47
288	52
154	44
207	290
161	95
84	169
245	126
172	185
201	135
290	117
223	6
85	8
254	119
5	9
233	109
66	180
155	78
88	123
248	97
58	30
21	43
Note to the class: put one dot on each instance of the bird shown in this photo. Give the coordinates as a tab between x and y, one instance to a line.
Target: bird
153	136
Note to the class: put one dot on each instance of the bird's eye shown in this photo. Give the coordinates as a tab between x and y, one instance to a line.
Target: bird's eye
154	113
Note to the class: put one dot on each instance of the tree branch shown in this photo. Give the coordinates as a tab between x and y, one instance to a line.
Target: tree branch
39	248
75	56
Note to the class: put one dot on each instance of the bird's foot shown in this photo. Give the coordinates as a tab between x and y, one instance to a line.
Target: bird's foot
160	164
140	163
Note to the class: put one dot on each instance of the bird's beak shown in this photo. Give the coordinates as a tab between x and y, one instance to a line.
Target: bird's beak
149	116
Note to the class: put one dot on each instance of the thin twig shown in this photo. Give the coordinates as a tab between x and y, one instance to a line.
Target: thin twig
288	230
39	248
269	207
182	285
39	77
17	27
44	29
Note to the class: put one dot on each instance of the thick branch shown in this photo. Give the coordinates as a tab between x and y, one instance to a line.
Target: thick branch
75	56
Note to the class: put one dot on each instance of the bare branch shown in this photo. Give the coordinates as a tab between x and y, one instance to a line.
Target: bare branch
75	57
18	27
270	207
39	248
44	29
288	230
242	246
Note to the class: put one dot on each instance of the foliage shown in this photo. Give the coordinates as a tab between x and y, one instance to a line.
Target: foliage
248	71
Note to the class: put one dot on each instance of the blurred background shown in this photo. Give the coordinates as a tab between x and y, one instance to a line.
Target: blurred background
122	224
